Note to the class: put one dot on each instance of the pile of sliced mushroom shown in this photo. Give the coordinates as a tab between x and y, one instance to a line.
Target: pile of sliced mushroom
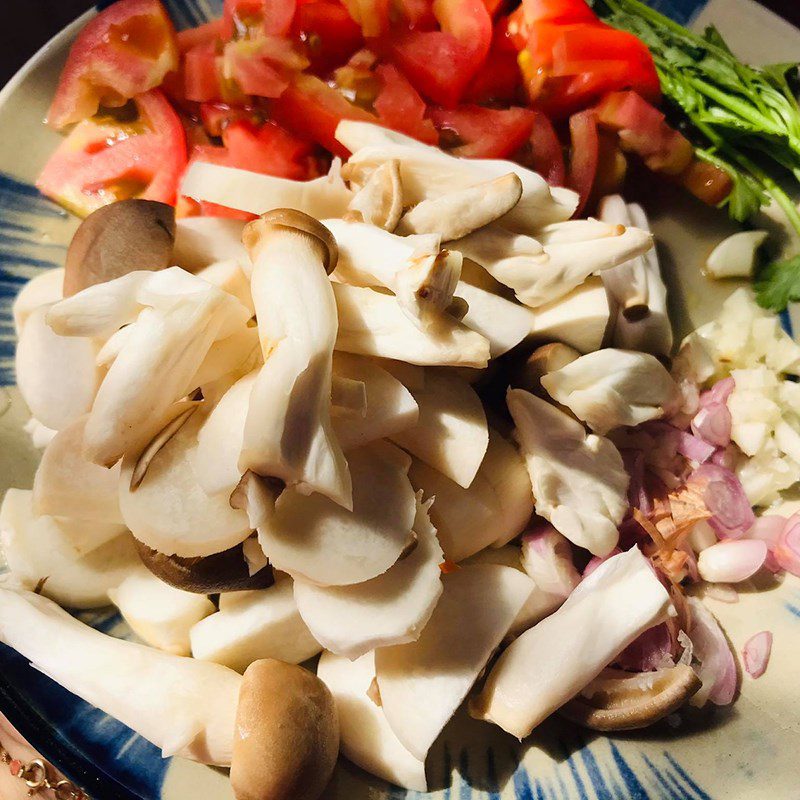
300	415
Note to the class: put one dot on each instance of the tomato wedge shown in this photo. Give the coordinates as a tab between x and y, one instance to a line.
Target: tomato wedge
125	50
546	151
400	107
485	132
584	157
557	11
500	80
203	34
329	32
201	78
371	15
103	159
311	108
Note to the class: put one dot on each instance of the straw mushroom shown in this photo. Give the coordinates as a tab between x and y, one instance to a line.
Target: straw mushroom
119	238
288	432
620	701
286	736
460	212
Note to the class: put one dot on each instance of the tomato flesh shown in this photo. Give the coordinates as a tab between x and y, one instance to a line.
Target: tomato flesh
329	33
400	107
124	51
546	152
485	132
102	161
585	155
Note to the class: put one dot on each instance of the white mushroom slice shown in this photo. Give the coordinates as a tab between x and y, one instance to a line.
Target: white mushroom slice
492	511
159	614
622	701
390	406
57	376
67	485
579	319
423	683
380	201
554	660
256	496
231	357
390	609
348	397
253	625
540	604
578	479
252	552
502	321
545	359
113	346
611	388
542	272
40	434
365	736
460	212
75	562
315	539
170	512
256	193
451	434
203	241
215	459
355	135
425	287
43	289
371	256
372	323
154	693
288	433
637	293
230	277
428	172
735	257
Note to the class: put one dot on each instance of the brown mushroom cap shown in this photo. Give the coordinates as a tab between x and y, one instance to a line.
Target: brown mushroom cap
625	701
287	734
289	219
222	572
117	239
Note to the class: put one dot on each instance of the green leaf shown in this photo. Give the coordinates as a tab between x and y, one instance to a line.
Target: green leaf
778	284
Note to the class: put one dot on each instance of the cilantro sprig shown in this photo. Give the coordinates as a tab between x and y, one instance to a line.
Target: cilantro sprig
745	119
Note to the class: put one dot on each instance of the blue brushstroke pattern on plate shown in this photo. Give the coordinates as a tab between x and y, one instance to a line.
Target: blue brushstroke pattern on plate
599	771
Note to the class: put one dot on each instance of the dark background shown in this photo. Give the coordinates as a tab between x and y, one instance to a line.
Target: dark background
33	22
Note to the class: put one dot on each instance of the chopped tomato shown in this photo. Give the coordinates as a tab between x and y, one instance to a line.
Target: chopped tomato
312	109
584	157
267	148
371	15
217	116
400	107
500	79
207	209
518	30
262	66
706	182
278	16
415	15
493	6
643	130
440	64
203	34
330	34
201	79
125	50
240	18
485	132
546	151
612	166
104	159
557	11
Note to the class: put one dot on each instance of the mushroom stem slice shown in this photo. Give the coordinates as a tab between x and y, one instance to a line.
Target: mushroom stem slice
425	287
288	432
154	693
380	200
348	397
543	360
463	211
620	701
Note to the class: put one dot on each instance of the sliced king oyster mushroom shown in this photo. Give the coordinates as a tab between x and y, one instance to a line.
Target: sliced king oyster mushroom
622	701
451	434
45	288
463	211
288	432
227	571
425	286
119	238
203	241
380	201
154	693
544	359
366	738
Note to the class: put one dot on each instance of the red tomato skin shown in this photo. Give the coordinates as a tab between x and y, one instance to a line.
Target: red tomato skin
278	16
584	156
96	161
500	80
548	156
312	109
485	132
558	11
200	75
400	107
124	51
330	34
